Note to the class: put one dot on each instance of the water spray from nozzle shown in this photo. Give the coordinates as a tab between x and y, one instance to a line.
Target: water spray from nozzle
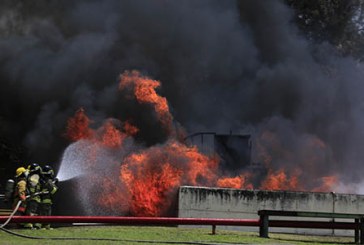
75	160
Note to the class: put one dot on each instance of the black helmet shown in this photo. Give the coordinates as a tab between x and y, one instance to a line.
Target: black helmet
34	168
48	171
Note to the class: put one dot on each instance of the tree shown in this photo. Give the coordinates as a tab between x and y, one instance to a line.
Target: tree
338	22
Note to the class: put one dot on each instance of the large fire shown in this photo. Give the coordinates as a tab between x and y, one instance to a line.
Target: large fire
149	177
144	91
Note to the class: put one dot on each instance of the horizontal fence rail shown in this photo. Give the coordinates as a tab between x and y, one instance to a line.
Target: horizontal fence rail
314	224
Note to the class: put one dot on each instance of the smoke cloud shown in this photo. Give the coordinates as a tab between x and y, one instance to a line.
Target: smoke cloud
223	65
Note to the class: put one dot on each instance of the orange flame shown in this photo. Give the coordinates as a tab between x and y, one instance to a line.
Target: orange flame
78	126
130	129
144	91
327	183
110	197
155	173
111	137
237	182
279	181
149	190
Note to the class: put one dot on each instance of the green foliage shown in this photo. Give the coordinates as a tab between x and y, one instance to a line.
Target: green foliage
335	21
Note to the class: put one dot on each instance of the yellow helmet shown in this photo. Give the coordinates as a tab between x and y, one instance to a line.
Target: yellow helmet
20	171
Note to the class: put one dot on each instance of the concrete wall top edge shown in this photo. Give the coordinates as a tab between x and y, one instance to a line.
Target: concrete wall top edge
262	192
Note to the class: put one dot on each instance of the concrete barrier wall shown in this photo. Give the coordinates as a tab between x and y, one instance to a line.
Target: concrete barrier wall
244	204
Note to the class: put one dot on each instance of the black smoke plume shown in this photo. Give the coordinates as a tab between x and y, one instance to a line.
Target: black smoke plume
224	65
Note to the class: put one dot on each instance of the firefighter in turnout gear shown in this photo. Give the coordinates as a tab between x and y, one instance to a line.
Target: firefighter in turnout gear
34	188
20	190
48	188
20	193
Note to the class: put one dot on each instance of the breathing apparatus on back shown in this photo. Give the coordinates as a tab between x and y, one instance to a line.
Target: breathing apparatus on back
20	173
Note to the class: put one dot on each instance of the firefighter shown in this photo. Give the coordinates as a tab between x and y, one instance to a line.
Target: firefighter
34	189
20	189
20	193
48	188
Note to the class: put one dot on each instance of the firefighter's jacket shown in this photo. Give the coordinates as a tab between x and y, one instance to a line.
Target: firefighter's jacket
34	188
20	194
48	189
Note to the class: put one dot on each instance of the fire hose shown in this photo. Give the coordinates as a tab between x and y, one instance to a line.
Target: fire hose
18	205
12	214
88	238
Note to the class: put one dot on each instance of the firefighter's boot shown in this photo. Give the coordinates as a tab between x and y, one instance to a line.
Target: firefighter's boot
47	227
28	226
37	226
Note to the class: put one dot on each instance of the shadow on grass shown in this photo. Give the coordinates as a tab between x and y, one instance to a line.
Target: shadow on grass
312	239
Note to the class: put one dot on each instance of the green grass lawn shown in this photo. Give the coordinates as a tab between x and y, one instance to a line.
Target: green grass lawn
159	235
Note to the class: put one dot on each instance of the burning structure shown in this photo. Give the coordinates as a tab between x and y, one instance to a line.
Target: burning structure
119	176
239	65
